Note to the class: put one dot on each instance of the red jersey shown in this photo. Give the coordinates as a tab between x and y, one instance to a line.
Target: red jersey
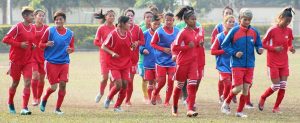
136	35
185	54
200	49
101	35
20	33
38	53
277	36
121	46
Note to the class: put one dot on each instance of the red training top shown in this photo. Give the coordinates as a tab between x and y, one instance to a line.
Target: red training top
102	33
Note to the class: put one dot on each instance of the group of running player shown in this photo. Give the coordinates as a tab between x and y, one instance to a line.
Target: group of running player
159	51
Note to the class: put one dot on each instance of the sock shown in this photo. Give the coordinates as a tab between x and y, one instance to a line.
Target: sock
129	90
26	96
191	88
280	97
60	99
227	87
40	89
121	97
229	97
176	95
48	93
169	89
102	87
11	95
241	103
34	84
184	91
112	92
145	89
267	93
220	88
161	81
150	89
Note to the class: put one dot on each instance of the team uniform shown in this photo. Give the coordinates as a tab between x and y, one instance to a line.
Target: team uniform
163	38
38	63
219	28
245	40
277	62
20	59
181	25
149	60
186	68
120	66
102	33
136	35
57	60
222	63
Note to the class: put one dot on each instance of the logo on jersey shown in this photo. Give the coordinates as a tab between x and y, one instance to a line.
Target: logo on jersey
286	37
182	43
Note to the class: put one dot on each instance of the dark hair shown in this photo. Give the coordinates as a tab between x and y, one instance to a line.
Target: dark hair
129	10
169	14
59	13
155	18
185	12
102	16
227	7
286	12
154	9
148	12
122	20
37	11
26	11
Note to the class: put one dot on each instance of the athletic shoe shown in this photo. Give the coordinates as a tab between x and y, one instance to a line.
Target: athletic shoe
36	102
98	98
118	109
167	104
43	106
25	111
11	108
225	108
128	104
106	103
276	110
58	112
191	113
249	106
261	104
175	111
153	100
241	114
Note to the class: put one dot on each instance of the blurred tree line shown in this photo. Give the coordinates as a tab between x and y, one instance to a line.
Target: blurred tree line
201	6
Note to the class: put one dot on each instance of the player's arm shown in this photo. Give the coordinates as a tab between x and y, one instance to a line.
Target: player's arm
9	38
215	48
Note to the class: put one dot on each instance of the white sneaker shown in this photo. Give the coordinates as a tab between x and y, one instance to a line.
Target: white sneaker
98	98
225	108
25	112
241	114
249	106
58	112
118	109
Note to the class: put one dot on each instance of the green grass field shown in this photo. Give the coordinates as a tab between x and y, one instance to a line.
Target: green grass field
79	105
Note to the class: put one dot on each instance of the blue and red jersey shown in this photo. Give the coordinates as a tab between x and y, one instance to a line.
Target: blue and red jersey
63	39
149	59
163	38
222	58
241	39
